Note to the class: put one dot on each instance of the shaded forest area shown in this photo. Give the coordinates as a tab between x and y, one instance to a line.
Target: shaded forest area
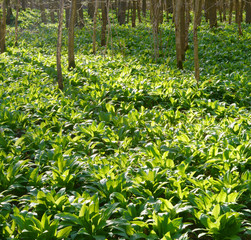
125	119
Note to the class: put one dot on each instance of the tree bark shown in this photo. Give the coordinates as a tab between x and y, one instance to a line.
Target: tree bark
248	11
197	8
24	3
122	12
231	5
144	8
42	10
94	27
59	45
71	58
238	16
9	12
139	11
134	8
212	13
3	27
104	22
188	18
80	14
16	21
52	11
91	8
178	34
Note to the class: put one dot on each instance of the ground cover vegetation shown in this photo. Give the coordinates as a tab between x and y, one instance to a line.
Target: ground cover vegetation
132	148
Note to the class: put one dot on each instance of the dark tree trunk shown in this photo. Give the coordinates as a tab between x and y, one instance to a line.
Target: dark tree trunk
122	12
248	11
3	27
9	15
52	11
104	23
16	21
212	13
42	10
144	8
80	14
24	3
71	60
91	8
67	15
134	7
59	45
238	16
139	10
231	6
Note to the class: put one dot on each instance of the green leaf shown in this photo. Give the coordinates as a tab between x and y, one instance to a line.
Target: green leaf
64	233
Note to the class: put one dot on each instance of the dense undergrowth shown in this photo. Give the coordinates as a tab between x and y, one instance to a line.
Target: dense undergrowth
131	149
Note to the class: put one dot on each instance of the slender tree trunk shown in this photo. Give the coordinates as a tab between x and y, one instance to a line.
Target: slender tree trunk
248	11
134	7
3	27
16	21
67	15
238	16
188	18
71	58
9	12
231	6
139	11
23	4
144	8
241	9
224	5
94	27
155	10
59	45
80	14
104	22
91	8
42	10
52	11
212	13
122	12
178	34
197	7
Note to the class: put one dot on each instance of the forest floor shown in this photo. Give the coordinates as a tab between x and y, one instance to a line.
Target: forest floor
131	148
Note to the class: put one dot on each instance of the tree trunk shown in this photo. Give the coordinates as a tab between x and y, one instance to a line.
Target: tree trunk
231	6
238	16
122	12
3	27
94	27
42	10
144	8
139	11
59	45
67	16
178	34
52	11
134	7
188	18
104	23
9	12
23	4
71	58
197	8
91	8
212	13
248	11
224	5
80	14
16	21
